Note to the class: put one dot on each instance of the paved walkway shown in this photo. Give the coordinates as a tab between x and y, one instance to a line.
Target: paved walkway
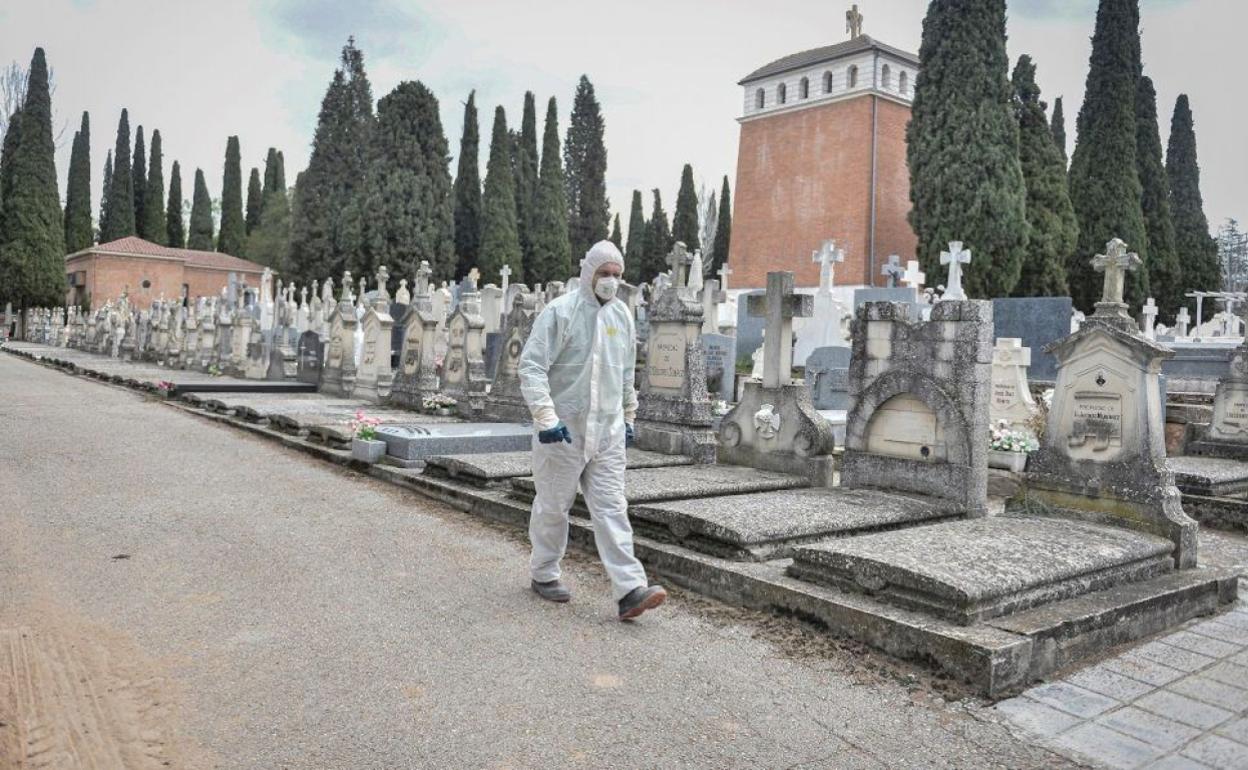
177	593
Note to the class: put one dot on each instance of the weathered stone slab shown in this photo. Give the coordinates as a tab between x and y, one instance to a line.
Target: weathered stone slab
650	485
500	466
1209	475
416	442
968	571
767	525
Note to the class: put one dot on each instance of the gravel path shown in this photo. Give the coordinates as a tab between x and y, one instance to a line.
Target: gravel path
212	599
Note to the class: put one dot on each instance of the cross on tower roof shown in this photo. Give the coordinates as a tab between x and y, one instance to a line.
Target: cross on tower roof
853	22
955	258
679	259
1115	263
779	306
892	270
826	257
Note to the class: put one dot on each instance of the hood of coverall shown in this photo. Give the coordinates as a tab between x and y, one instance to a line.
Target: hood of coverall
599	254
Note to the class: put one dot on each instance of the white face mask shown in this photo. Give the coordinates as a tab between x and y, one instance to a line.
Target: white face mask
606	288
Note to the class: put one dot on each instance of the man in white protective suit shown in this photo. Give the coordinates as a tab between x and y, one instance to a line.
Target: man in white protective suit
576	374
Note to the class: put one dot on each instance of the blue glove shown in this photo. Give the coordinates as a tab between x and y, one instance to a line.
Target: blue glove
629	434
555	434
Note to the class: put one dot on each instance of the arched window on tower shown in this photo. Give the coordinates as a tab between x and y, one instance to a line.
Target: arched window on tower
903	82
886	78
803	89
781	93
827	82
760	99
852	78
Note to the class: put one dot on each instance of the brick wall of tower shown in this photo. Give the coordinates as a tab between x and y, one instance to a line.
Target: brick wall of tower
805	175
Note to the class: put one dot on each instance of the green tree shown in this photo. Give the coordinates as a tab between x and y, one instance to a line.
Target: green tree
685	218
1163	261
723	229
659	241
156	228
966	181
119	220
139	176
269	243
616	236
635	246
232	238
105	192
255	201
274	175
175	229
7	154
79	230
32	255
585	164
201	216
408	190
1053	229
500	241
527	180
325	217
552	260
1104	176
468	192
1198	252
1058	128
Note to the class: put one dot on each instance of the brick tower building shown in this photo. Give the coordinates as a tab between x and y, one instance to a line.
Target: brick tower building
823	155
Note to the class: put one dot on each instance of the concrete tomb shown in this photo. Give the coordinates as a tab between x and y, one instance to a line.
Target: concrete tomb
505	403
417	375
721	365
463	369
374	377
416	442
1011	395
482	469
338	375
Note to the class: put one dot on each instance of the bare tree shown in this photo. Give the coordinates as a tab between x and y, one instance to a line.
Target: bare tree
1233	255
13	95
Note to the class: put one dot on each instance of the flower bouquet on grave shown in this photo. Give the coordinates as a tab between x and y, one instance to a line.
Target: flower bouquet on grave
164	387
1008	448
214	371
365	446
719	407
439	404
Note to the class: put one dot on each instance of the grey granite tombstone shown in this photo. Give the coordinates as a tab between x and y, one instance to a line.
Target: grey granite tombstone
505	402
1038	322
310	353
827	376
416	442
338	374
721	365
749	328
463	369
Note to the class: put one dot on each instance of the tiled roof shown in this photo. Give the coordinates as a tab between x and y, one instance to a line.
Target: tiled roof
193	257
826	53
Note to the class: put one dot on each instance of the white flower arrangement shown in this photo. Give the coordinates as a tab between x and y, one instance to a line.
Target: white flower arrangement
437	401
719	407
1005	439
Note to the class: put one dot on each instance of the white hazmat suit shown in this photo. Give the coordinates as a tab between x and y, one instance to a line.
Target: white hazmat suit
577	368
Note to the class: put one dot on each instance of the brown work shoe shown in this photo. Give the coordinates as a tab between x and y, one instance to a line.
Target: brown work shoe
641	599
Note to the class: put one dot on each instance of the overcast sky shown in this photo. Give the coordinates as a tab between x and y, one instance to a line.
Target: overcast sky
665	71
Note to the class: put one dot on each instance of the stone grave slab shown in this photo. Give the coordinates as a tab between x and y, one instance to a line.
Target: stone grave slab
767	525
417	442
481	469
974	570
1210	475
652	485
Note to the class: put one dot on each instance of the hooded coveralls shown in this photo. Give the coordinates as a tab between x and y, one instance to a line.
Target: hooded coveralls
577	367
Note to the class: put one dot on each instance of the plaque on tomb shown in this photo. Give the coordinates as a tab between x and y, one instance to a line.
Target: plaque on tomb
309	353
666	362
721	362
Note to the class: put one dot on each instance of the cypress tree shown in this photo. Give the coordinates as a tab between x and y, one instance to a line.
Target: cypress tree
325	218
552	260
1058	128
156	229
723	229
201	216
1163	261
966	181
119	220
105	193
408	189
255	200
527	180
616	236
32	256
1053	229
685	219
279	175
79	230
658	241
231	239
635	248
1197	251
269	243
500	242
270	174
139	175
175	229
9	151
1104	177
468	192
585	163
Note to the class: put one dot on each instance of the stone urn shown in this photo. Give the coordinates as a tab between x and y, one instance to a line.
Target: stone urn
367	450
1009	461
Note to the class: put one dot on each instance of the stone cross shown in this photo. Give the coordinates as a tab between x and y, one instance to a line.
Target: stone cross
724	272
363	291
1115	263
505	273
1200	301
711	297
403	296
913	277
853	22
679	260
779	306
423	274
346	286
1150	318
383	294
826	257
1181	322
892	270
474	278
955	258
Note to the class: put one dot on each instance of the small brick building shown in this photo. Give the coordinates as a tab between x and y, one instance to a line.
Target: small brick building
147	271
823	155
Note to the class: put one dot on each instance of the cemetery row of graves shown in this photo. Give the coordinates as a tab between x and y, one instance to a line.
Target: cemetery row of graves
998	488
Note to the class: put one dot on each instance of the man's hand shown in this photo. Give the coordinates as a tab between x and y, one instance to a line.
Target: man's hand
555	434
630	436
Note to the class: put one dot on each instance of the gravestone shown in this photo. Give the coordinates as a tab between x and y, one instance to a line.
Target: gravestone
1103	456
505	402
775	426
955	258
310	354
827	376
417	374
721	365
749	328
674	410
412	443
1226	435
1036	322
824	328
1011	397
711	299
463	369
338	374
492	308
374	377
892	271
906	294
